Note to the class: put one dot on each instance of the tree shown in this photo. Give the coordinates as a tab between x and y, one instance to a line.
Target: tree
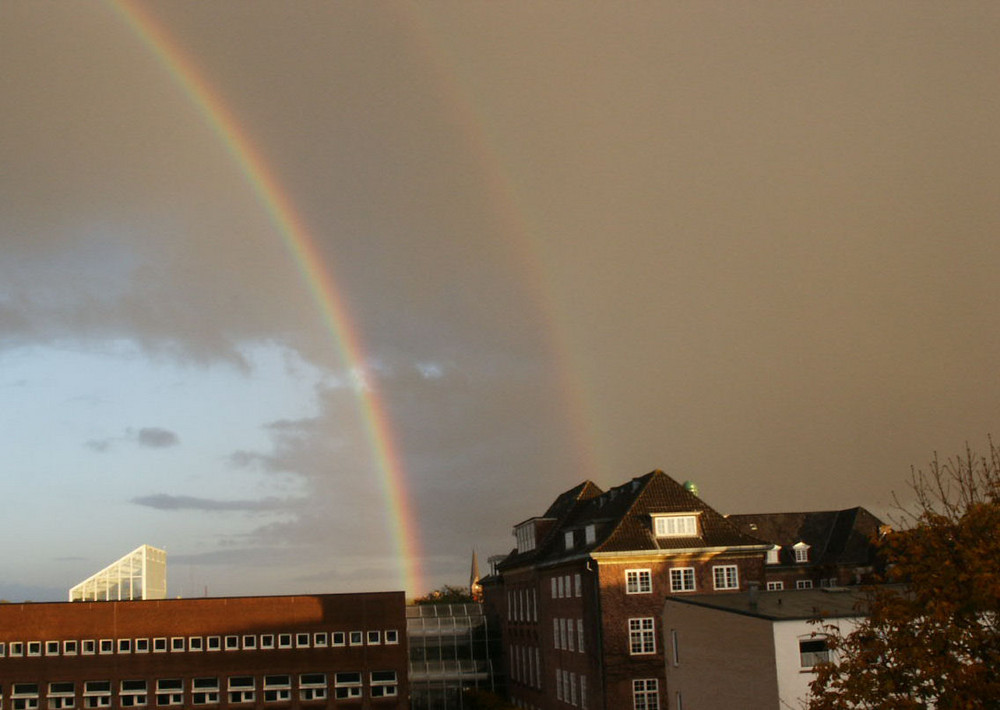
930	638
448	594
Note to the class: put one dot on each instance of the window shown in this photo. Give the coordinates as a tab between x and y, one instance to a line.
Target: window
555	633
51	648
675	647
107	646
801	552
312	686
132	694
232	643
813	651
391	636
285	640
772	555
213	643
525	534
267	640
159	645
569	540
347	685
178	643
241	689
205	691
34	648
17	648
338	638
62	696
142	645
69	648
676	525
646	694
169	691
579	635
578	584
3	653
570	641
249	642
301	640
97	694
553	580
803	584
89	647
24	696
583	692
726	577
775	586
277	688
682	579
124	645
590	534
374	638
384	684
321	639
638	581
357	638
641	636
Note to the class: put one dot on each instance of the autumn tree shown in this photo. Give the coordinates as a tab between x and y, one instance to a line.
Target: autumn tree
448	594
930	638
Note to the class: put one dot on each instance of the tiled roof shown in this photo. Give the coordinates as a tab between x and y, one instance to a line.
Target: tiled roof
834	536
622	518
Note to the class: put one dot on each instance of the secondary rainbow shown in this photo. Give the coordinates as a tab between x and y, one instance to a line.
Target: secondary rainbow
303	250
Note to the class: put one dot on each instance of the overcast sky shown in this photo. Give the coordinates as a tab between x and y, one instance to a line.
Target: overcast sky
752	244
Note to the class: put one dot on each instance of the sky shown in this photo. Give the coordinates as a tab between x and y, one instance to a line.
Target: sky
322	297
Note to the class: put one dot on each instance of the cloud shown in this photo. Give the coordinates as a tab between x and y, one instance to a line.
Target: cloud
164	501
156	438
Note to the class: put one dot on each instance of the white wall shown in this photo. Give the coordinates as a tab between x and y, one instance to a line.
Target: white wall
793	680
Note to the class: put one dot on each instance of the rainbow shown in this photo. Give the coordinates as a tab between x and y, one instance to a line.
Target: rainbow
304	251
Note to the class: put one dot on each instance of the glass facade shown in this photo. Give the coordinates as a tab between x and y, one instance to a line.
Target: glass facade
450	652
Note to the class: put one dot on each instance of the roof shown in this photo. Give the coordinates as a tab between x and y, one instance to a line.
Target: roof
843	537
622	521
805	604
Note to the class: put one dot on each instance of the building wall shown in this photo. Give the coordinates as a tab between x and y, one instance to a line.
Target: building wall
219	638
723	660
793	680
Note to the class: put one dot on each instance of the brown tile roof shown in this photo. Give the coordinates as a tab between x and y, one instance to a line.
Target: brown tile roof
834	536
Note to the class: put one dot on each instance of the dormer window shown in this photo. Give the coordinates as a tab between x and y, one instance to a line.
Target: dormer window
569	540
676	525
801	551
525	534
772	555
590	534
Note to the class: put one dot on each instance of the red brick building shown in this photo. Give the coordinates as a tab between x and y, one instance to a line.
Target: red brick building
581	596
310	651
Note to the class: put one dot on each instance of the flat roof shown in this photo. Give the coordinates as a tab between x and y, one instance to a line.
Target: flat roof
783	605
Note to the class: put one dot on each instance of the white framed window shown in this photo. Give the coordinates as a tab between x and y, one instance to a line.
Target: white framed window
267	641
249	642
801	551
34	648
772	555
726	577
124	645
676	525
579	635
374	638
17	648
391	637
205	691
106	646
813	650
775	586
347	685
242	689
196	643
638	581
675	647
142	645
97	694
590	534
357	638
177	644
641	636
803	584
553	587
569	540
578	585
320	639
559	684
312	686
572	689
62	696
132	694
232	643
338	638
555	633
646	694
169	691
583	691
682	579
277	688
24	696
570	633
301	640
70	647
384	684
213	643
88	646
285	640
51	648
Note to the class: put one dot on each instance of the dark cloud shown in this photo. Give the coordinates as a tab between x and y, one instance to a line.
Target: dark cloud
155	438
163	501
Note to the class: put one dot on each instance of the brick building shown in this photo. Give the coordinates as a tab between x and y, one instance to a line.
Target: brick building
581	597
826	548
309	651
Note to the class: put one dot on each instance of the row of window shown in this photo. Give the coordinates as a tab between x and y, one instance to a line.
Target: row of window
525	665
566	586
640	581
179	644
563	636
571	689
522	604
203	691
